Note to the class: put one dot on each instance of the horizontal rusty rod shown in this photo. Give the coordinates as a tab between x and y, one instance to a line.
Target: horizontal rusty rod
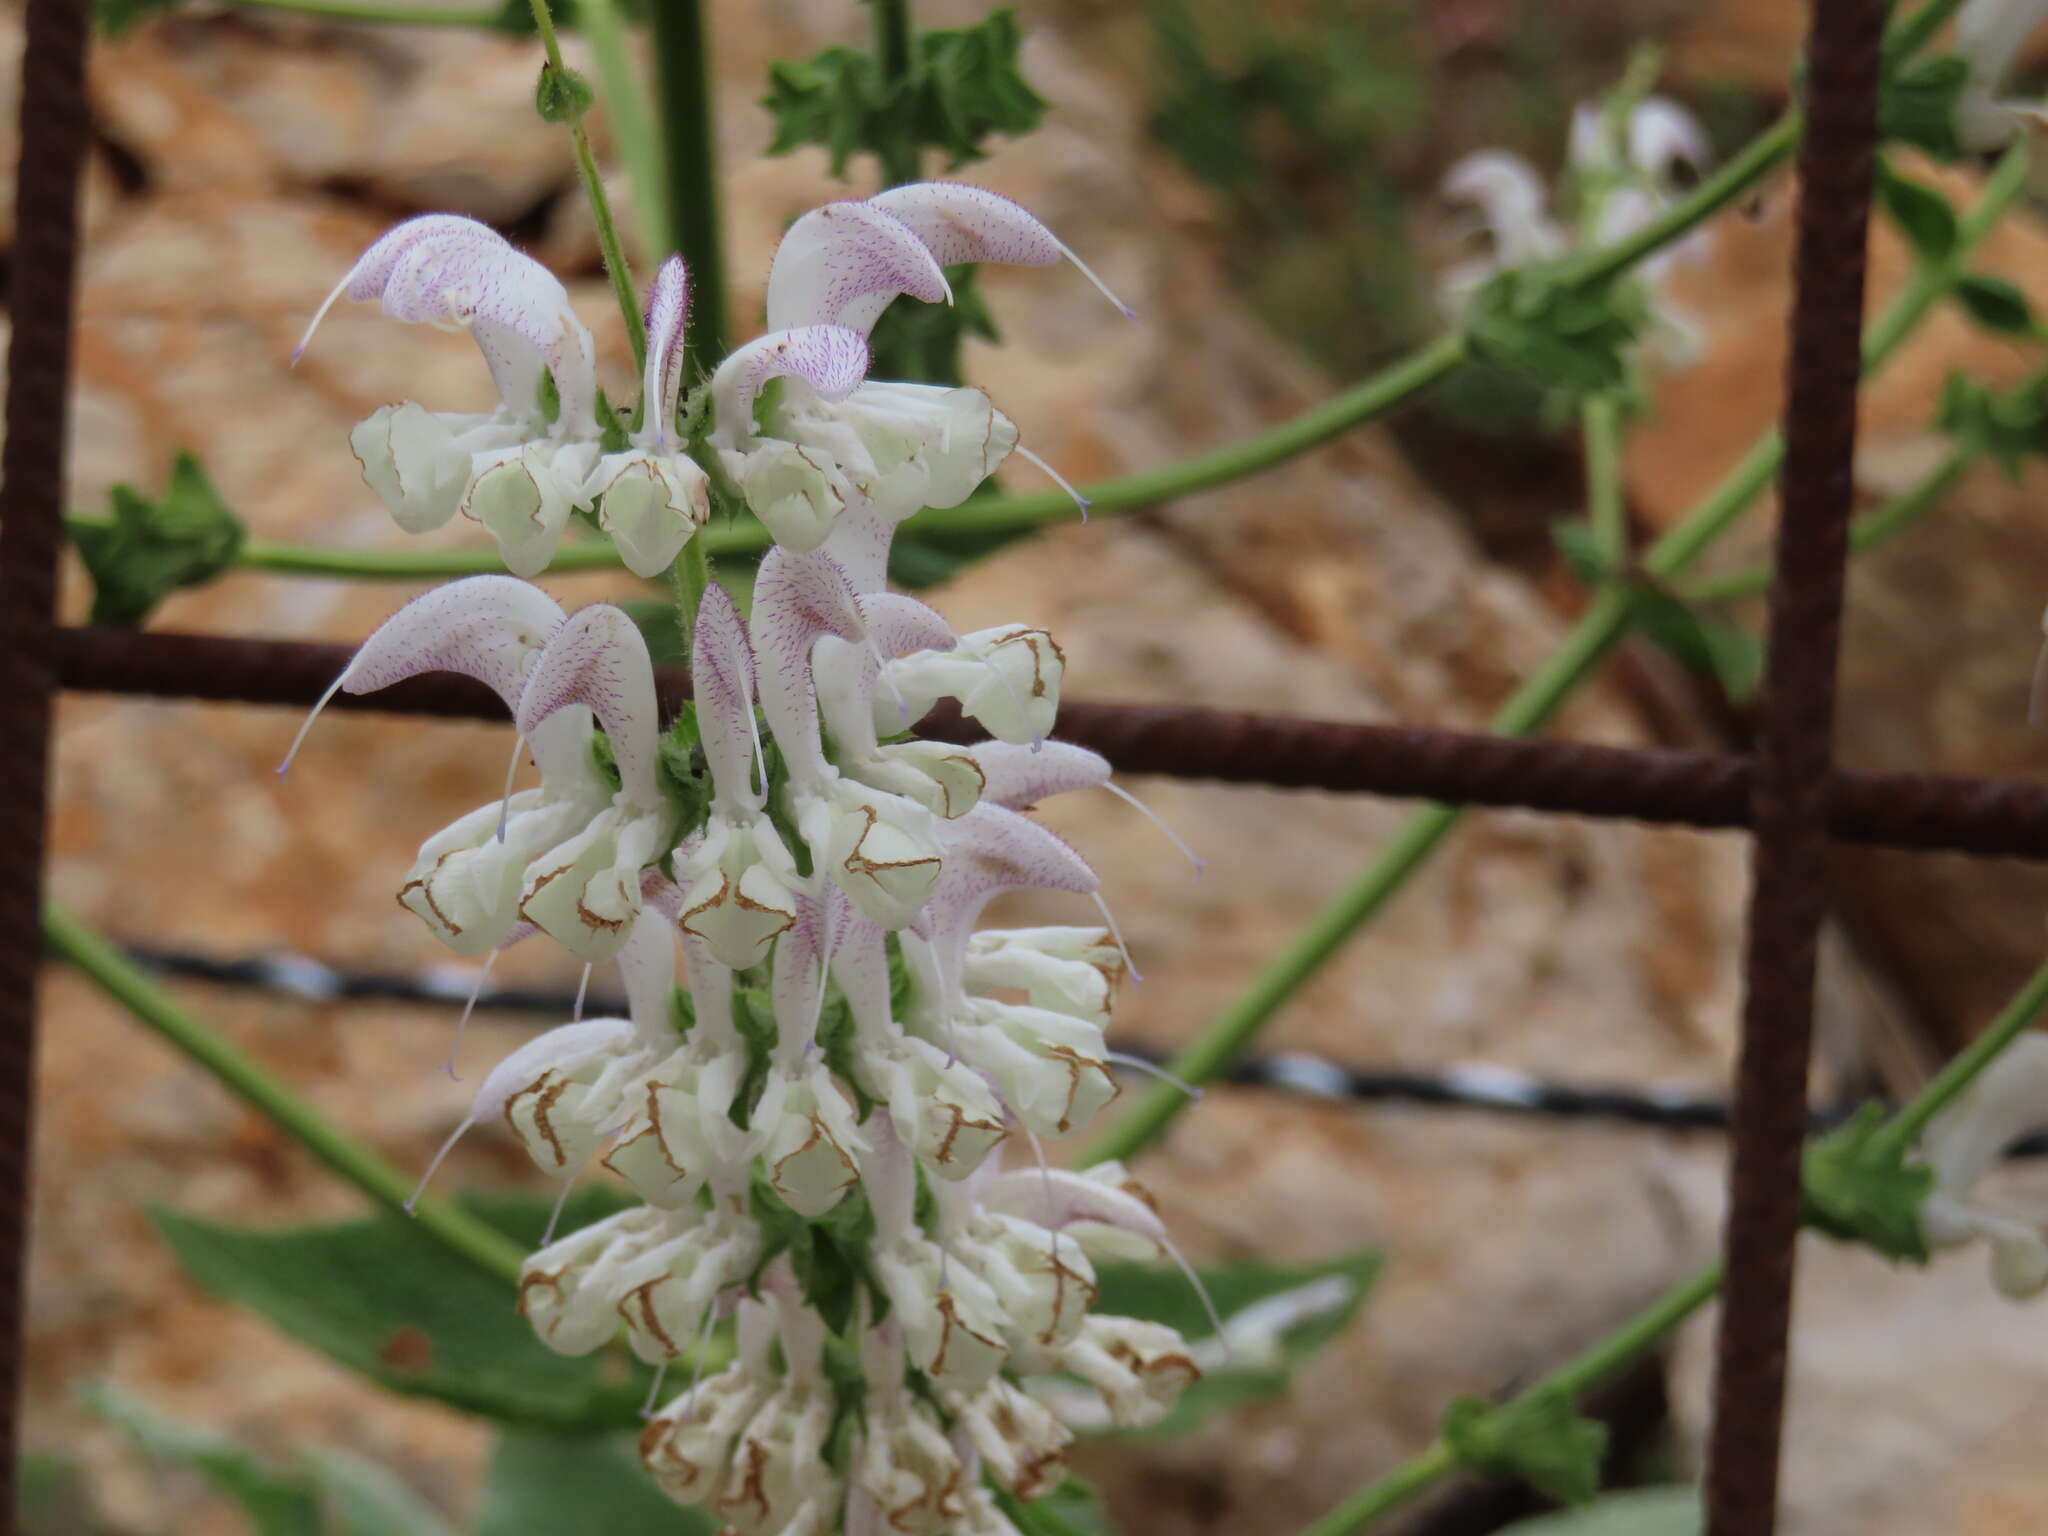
1711	791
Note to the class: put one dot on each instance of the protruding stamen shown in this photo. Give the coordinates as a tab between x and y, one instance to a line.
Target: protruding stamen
1158	821
1117	933
555	1215
412	1201
1201	1291
483	977
321	314
1140	1064
654	1390
511	773
1058	479
1044	1168
300	740
1089	273
582	991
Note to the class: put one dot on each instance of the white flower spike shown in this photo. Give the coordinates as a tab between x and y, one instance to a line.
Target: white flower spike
1964	1142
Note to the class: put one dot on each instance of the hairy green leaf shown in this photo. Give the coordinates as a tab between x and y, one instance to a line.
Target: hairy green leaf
1918	106
1540	1438
1922	214
1860	1188
152	548
384	1299
1995	304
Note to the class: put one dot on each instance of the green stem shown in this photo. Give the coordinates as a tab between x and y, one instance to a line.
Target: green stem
1531	706
370	11
897	152
1909	36
631	115
478	1242
600	206
1600	434
690	576
1640	1334
2011	1023
1757	159
683	74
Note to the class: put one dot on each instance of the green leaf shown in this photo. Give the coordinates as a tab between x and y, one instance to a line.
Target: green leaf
1860	1189
1995	304
1643	1512
1540	1438
1072	1509
964	87
115	17
2008	427
1918	106
580	1485
1534	320
278	1501
1582	552
384	1299
1923	215
1163	1295
562	96
149	549
360	1498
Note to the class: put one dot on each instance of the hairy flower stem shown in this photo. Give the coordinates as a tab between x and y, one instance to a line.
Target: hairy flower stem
627	109
1599	629
615	264
106	968
894	37
689	137
1600	433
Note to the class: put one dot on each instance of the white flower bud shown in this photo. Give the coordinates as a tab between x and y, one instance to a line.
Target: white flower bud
465	883
944	1112
665	1291
585	893
1141	1368
651	505
687	1447
1042	1280
1048	1067
570	1290
908	1467
418	460
1019	695
797	495
1067	970
940	777
954	1333
779	1482
733	900
880	849
1021	1441
523	495
810	1154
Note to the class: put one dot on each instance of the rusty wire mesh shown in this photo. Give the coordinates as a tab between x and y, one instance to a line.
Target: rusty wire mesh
1787	793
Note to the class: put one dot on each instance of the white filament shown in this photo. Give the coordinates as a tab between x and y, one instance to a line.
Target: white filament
1056	477
555	1215
1140	1064
300	740
412	1201
1117	933
582	989
511	773
483	976
1089	273
1158	821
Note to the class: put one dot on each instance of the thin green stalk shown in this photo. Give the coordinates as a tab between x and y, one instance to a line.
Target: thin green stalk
600	206
690	576
1909	36
1640	1334
1531	706
103	965
1656	1322
631	115
683	83
2017	1016
371	11
1600	435
894	37
1865	533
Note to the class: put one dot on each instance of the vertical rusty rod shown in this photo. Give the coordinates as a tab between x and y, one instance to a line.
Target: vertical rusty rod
1792	762
53	141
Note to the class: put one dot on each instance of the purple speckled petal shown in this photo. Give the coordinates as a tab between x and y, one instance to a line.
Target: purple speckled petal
722	677
798	599
898	624
485	627
829	358
988	851
1022	775
367	278
843	263
668	314
959	223
599	659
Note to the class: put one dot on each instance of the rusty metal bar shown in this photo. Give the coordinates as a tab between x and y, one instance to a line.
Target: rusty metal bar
2005	818
1793	758
53	141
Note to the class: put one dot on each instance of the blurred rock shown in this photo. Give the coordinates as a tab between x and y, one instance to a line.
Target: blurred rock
1916	1399
1943	623
1338	587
